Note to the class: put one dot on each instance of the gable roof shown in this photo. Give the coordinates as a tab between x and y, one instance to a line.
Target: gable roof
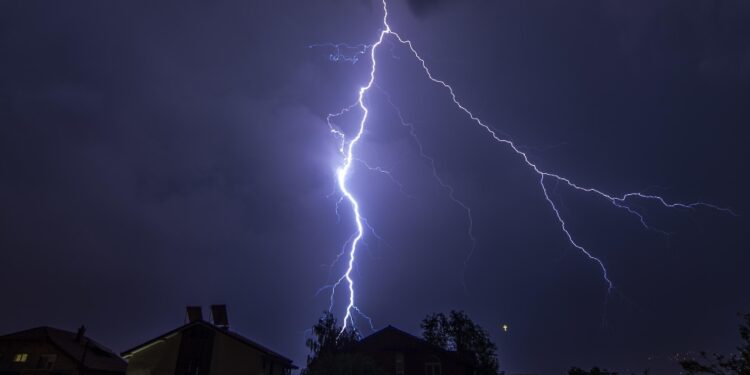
231	334
393	330
97	356
417	341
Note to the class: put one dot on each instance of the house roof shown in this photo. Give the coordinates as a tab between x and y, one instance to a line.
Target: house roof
416	340
231	334
97	356
409	336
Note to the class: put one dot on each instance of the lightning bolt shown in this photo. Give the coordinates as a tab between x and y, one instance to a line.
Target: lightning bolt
347	148
343	52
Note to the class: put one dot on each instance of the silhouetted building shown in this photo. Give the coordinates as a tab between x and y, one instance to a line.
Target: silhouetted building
203	348
400	353
46	350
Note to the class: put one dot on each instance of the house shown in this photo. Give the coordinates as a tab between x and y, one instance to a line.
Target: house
205	348
47	350
400	353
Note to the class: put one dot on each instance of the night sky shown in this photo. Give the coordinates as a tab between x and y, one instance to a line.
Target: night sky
155	155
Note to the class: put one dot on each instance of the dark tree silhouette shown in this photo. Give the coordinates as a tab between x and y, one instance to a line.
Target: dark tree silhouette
330	351
594	371
456	332
719	364
598	371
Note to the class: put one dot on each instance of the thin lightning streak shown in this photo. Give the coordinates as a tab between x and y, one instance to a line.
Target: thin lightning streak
618	201
338	205
335	129
343	251
386	173
640	218
347	148
338	258
338	54
375	233
570	237
369	320
345	247
447	187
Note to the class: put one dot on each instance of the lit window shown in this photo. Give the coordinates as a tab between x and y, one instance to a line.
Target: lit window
21	357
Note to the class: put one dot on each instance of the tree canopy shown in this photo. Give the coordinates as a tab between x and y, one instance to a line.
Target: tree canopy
719	364
457	332
330	352
594	371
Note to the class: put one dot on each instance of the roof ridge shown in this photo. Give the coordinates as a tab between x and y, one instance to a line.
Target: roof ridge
232	334
391	327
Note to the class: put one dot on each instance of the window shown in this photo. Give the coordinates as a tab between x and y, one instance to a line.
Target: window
433	367
46	361
21	358
399	363
193	367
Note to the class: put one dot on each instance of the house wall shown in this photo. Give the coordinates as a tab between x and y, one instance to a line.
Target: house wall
158	359
34	348
232	357
384	348
228	356
196	351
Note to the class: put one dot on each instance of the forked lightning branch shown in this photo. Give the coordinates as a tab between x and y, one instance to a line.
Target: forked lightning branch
348	149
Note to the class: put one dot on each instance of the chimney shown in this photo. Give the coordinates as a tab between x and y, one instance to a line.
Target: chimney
219	315
81	332
194	313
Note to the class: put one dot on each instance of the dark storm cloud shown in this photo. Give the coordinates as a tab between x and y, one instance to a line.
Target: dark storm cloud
171	154
706	38
422	8
135	148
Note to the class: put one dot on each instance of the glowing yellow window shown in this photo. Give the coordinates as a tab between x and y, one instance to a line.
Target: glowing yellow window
21	357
